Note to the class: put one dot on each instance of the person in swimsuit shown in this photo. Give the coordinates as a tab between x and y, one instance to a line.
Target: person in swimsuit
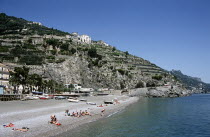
23	129
53	119
9	125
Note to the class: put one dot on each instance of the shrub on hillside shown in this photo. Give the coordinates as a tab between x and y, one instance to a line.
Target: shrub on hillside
151	84
73	50
140	84
157	77
4	49
121	71
92	52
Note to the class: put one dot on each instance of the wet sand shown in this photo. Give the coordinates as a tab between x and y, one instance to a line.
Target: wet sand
35	114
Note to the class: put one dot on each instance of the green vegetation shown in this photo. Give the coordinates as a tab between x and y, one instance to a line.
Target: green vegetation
53	42
21	76
28	57
190	82
157	77
151	84
60	60
140	84
13	25
126	53
113	49
73	50
4	49
92	52
50	57
121	71
64	46
28	46
31	60
122	85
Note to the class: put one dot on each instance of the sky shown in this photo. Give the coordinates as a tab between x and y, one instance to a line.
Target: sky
173	34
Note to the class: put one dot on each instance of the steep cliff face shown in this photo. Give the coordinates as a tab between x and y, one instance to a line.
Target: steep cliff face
107	73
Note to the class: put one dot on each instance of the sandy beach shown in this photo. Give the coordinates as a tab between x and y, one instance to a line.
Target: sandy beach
35	114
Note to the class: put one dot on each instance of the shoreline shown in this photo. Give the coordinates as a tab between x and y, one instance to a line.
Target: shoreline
35	114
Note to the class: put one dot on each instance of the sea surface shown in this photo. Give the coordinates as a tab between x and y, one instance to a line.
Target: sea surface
154	117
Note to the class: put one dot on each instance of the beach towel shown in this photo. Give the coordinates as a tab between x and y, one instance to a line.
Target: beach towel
58	124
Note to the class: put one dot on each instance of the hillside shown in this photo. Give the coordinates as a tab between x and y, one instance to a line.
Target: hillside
192	83
72	58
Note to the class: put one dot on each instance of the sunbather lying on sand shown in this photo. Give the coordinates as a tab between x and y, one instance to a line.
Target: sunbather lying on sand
87	113
9	125
100	105
23	129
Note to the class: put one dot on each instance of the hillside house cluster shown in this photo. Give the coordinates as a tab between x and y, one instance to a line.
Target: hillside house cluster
38	23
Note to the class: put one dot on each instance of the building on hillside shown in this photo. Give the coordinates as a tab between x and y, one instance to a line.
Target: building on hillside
80	38
37	39
4	79
74	86
85	39
38	23
102	43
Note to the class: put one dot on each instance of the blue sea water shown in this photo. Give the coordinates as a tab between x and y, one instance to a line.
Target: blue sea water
154	117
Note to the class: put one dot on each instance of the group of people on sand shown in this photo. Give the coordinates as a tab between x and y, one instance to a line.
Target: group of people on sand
77	114
23	129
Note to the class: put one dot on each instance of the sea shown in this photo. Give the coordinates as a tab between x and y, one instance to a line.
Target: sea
154	117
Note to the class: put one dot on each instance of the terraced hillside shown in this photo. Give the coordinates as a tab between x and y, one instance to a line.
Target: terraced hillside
55	55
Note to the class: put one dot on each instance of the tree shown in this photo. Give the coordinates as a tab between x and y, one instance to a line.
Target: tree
140	84
113	49
126	53
73	50
65	46
92	53
20	76
53	42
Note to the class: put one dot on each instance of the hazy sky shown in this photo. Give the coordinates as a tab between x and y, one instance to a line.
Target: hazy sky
174	34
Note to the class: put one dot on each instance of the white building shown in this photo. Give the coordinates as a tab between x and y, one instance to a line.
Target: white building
75	86
38	23
81	38
85	39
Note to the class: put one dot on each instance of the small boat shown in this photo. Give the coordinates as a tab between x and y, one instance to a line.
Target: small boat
102	94
60	97
35	97
91	103
43	97
84	100
108	102
31	97
73	100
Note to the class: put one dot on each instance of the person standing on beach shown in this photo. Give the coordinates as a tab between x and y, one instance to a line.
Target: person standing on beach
102	112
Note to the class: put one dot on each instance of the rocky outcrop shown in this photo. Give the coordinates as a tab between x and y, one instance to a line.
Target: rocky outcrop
160	92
